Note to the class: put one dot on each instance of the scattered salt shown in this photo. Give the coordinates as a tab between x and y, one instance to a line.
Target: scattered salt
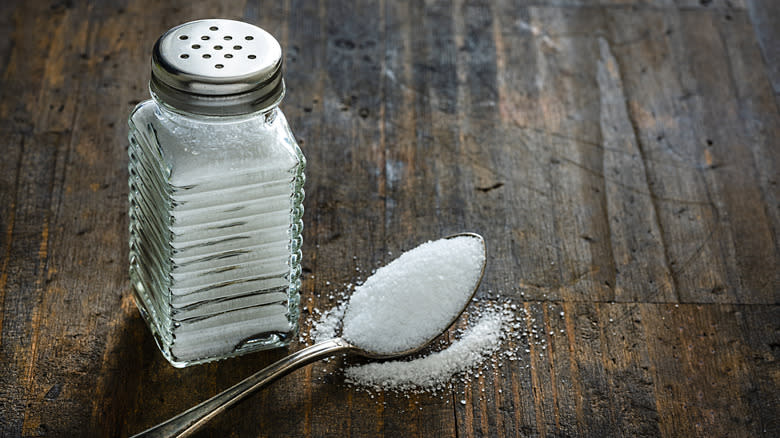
415	297
328	325
498	331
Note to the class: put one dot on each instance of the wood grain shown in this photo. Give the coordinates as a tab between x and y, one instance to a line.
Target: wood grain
619	156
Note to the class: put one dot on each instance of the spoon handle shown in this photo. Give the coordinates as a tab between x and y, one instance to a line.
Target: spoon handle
192	419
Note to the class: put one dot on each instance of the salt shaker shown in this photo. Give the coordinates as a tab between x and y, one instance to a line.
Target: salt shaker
216	195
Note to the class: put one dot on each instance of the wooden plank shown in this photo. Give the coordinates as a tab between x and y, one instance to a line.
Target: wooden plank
704	371
523	246
572	166
641	267
611	362
583	158
760	342
758	113
626	360
765	15
733	173
38	136
553	375
675	155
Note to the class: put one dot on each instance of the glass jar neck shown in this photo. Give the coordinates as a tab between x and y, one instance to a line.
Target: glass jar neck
268	113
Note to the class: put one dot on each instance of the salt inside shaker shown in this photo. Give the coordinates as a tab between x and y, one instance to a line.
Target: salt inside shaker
216	195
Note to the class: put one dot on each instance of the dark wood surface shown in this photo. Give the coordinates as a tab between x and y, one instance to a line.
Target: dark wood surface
619	156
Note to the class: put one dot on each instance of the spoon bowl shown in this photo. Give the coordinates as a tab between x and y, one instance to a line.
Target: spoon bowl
191	420
365	352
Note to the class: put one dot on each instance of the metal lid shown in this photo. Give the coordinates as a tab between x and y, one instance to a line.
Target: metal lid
217	67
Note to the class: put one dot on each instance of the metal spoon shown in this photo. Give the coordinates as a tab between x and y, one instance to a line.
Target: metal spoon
189	421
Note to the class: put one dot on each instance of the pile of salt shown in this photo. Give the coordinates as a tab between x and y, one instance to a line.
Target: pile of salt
413	299
435	370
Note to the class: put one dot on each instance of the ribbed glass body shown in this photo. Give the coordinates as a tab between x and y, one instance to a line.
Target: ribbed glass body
216	206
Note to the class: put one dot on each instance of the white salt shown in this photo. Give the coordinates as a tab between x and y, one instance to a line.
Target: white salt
435	370
413	299
327	326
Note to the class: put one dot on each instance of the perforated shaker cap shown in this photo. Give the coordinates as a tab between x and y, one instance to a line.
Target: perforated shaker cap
217	67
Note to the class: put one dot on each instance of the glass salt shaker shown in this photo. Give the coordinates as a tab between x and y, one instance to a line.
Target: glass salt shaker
216	195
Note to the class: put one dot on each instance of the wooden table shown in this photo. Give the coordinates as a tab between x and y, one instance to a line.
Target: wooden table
619	156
